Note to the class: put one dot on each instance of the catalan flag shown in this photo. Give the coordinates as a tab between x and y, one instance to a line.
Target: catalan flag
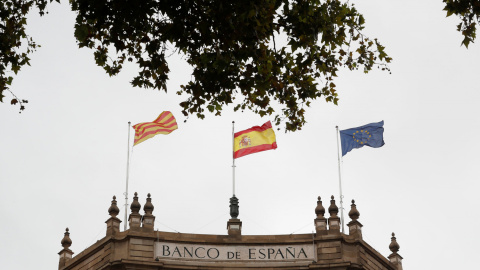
164	124
253	140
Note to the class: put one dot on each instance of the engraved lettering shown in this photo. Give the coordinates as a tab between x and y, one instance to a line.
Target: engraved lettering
233	253
185	251
261	253
176	251
250	253
302	251
290	252
279	252
197	254
271	251
166	249
208	253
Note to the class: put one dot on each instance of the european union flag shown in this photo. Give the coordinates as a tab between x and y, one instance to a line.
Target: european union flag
371	135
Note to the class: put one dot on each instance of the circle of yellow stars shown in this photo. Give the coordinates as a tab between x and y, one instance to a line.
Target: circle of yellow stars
363	137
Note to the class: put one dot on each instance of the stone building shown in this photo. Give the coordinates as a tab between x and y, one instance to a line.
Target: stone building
142	248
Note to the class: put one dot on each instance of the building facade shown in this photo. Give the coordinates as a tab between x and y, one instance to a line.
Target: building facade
142	248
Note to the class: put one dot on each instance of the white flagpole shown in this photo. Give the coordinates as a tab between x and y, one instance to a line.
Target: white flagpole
340	182
126	186
233	157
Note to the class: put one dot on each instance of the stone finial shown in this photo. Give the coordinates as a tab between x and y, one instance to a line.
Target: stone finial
148	219
135	206
66	241
395	258
354	226
113	223
333	220
319	210
65	253
354	214
394	246
135	218
148	207
333	209
320	222
113	210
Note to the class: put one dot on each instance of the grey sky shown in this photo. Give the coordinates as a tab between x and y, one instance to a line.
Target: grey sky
64	157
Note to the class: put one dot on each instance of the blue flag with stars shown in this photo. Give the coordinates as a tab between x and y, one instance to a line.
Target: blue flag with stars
370	134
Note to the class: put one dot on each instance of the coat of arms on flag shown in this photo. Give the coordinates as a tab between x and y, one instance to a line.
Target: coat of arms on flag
253	140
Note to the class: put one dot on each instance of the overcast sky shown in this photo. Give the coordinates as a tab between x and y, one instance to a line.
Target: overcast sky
64	157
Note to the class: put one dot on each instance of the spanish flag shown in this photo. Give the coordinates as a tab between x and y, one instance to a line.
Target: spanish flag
164	124
253	140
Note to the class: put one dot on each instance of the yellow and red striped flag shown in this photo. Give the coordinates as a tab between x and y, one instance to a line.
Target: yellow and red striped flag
253	140
164	124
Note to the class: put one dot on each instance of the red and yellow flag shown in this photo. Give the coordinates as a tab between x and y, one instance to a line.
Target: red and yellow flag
253	140
164	124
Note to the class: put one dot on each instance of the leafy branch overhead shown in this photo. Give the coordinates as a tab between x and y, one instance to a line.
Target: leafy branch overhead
252	54
15	44
234	49
469	13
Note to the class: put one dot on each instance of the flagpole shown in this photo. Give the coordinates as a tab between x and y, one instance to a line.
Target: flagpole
233	157
126	185
340	183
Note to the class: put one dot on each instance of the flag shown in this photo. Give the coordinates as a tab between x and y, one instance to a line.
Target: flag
164	124
371	135
253	140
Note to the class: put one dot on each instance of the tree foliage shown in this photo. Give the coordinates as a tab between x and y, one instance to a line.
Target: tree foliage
253	54
469	13
15	44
